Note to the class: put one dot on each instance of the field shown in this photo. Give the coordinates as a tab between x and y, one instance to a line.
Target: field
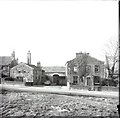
43	104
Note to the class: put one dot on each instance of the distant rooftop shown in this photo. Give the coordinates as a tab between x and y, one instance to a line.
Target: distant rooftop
5	60
54	68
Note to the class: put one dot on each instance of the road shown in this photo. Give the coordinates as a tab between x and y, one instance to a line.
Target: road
63	90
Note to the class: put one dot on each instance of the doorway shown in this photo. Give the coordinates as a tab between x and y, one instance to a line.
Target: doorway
56	79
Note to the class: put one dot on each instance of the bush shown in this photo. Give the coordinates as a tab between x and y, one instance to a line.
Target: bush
109	82
9	79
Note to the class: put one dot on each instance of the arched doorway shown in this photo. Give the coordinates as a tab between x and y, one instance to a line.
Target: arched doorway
56	79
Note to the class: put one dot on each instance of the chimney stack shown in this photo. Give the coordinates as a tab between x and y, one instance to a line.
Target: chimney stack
80	54
38	64
29	58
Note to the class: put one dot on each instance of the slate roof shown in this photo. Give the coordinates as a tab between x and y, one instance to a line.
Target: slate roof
5	60
54	69
90	59
30	65
33	66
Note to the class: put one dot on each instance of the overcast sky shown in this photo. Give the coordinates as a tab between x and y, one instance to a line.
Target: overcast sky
55	31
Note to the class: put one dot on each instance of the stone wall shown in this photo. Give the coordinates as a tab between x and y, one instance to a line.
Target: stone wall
23	71
103	88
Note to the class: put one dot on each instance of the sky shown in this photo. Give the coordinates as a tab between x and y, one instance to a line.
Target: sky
54	31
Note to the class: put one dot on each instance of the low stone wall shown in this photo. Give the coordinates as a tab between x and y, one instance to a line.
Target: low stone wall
79	87
103	88
110	88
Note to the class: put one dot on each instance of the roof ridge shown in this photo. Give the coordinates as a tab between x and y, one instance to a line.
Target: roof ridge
96	58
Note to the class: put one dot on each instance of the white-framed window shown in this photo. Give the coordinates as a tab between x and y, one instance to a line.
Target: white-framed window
75	79
97	68
75	68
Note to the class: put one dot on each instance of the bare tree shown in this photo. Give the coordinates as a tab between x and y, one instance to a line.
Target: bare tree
112	58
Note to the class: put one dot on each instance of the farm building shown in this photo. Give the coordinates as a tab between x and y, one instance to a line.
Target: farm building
56	74
30	74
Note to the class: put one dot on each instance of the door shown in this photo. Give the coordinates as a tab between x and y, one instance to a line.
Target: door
96	80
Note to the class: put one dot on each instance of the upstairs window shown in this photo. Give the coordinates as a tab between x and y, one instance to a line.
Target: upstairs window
88	69
75	68
75	79
97	68
19	71
24	71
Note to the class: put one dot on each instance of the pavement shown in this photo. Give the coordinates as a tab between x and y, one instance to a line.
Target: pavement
62	90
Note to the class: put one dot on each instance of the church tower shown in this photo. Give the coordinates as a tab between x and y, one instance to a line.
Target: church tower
29	58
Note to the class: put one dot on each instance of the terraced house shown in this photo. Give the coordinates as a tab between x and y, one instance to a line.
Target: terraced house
84	69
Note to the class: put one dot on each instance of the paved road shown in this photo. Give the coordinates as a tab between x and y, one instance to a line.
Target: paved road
59	90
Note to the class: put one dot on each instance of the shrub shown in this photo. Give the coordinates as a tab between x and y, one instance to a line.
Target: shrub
109	82
9	79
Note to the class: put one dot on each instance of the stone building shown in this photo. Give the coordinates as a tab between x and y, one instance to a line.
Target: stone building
7	62
56	74
85	70
26	72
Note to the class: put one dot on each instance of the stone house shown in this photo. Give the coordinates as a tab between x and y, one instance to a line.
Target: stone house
85	70
28	73
7	62
56	74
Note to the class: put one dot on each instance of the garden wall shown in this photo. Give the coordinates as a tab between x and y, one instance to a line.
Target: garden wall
103	88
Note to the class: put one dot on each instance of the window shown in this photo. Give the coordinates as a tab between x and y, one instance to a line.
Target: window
75	68
97	68
88	69
19	71
24	71
96	80
75	79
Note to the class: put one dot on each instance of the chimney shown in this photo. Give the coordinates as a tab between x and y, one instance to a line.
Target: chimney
38	64
29	58
81	54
